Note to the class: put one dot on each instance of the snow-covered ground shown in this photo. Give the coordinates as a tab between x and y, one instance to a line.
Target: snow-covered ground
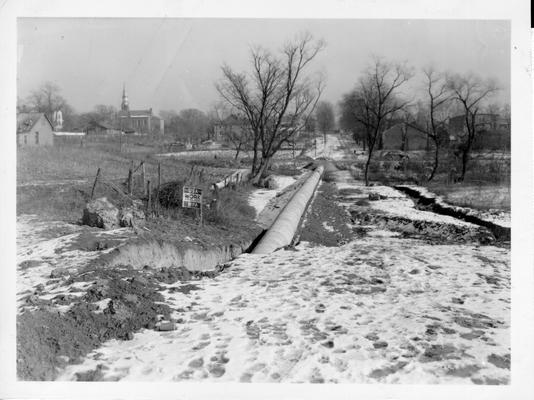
388	310
392	201
378	309
333	150
44	247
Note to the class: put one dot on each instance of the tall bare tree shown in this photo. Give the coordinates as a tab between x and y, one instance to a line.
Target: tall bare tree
324	115
434	115
47	99
470	92
275	98
376	99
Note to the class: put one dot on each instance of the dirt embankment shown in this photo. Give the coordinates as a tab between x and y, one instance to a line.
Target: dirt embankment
117	303
117	292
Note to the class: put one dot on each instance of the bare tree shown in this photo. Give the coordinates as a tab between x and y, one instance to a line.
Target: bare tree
376	99
434	116
324	114
275	98
47	99
470	91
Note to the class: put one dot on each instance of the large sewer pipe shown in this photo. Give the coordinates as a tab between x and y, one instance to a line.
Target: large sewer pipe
285	226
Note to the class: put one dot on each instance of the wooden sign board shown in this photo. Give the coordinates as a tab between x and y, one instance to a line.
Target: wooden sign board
192	197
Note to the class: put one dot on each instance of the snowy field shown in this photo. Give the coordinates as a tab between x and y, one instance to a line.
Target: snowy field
378	309
375	310
48	251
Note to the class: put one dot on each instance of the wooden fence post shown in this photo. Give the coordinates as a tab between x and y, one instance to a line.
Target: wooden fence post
143	174
149	198
191	173
159	187
130	178
94	183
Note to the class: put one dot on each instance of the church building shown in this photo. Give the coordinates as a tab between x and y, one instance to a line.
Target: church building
138	121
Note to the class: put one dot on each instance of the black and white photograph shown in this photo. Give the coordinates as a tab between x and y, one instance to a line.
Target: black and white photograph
269	200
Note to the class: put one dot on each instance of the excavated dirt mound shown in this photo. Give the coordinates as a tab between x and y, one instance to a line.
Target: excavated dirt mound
118	302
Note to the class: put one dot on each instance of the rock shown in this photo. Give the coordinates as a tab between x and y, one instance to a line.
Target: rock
166	326
328	344
101	213
131	216
380	344
270	183
374	196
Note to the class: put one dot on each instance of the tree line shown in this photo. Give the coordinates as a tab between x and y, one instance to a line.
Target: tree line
279	96
277	99
189	124
377	99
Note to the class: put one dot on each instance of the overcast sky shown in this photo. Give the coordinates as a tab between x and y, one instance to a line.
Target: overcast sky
174	63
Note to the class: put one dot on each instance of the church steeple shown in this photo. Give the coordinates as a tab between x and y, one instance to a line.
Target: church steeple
124	105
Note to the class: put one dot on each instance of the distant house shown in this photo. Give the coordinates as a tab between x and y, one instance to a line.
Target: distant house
482	121
34	129
232	126
493	131
101	128
138	121
403	137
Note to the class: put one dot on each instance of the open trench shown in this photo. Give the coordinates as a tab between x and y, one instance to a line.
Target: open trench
423	202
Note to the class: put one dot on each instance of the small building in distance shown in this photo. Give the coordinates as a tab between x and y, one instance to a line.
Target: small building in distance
138	121
404	137
493	131
34	129
231	127
101	128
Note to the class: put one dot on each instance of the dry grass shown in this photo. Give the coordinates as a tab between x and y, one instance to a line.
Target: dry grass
481	196
76	168
71	163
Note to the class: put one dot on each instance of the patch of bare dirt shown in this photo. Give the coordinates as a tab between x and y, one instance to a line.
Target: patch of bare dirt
118	302
326	222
